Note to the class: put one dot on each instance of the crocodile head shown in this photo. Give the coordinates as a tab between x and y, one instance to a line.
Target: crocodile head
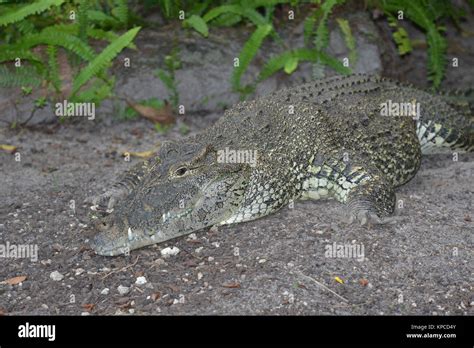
187	190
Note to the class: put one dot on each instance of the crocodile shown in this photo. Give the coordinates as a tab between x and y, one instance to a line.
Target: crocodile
351	138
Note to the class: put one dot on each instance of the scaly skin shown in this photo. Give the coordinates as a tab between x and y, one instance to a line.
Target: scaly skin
322	139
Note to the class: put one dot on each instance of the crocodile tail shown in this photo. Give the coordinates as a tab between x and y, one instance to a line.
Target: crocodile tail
452	126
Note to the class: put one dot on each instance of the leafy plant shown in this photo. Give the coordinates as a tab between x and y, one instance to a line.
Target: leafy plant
425	15
103	59
38	35
246	55
26	76
167	76
14	16
302	54
198	24
348	38
130	113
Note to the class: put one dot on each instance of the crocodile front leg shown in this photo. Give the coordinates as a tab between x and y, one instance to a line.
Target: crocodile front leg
370	202
368	196
106	201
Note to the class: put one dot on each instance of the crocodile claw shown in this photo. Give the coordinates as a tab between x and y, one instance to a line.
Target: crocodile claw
105	202
367	218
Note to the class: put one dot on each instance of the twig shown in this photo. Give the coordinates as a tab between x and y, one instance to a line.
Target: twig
324	287
121	269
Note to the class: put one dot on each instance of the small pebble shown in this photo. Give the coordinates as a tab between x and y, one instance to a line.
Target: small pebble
167	252
141	281
123	290
56	276
105	291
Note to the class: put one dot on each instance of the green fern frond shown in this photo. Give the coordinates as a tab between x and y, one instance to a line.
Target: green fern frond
97	92
101	18
276	63
308	27
83	20
53	67
9	54
248	12
226	20
121	11
50	37
248	52
27	10
301	54
95	33
103	59
436	56
422	15
334	63
109	36
166	79
321	39
198	24
25	27
349	39
24	76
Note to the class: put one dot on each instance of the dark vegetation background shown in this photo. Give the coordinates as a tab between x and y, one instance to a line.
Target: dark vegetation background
156	73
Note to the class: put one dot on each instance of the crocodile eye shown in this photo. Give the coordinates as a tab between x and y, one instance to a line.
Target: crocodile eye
181	171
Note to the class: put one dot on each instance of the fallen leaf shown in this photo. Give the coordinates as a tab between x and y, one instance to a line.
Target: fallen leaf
173	287
231	285
3	311
363	282
8	148
126	305
88	306
155	296
143	154
163	115
15	280
339	280
467	218
302	286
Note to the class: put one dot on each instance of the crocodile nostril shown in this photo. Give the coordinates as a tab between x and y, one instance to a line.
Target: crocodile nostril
103	225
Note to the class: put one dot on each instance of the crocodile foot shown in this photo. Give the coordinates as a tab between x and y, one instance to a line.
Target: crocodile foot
368	218
105	202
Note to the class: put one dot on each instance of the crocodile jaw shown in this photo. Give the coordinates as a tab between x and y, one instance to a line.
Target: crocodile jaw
106	244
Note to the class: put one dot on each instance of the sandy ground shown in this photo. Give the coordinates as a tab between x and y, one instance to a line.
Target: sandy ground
276	265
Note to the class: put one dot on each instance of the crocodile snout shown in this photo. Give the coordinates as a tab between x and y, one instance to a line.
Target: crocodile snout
111	239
